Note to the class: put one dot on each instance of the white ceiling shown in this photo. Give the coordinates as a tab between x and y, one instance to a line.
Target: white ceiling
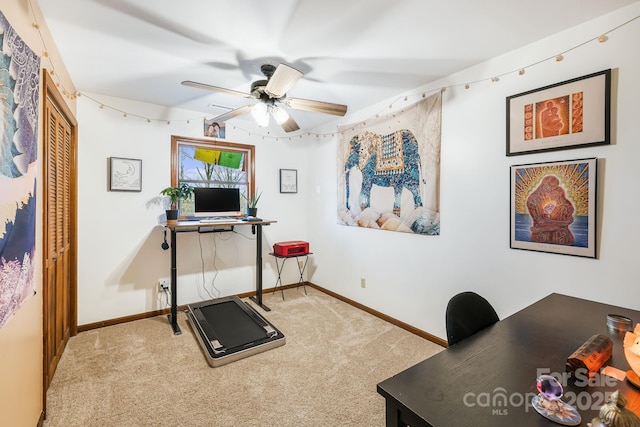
356	53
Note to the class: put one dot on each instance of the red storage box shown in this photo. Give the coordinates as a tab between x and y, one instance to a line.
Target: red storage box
291	248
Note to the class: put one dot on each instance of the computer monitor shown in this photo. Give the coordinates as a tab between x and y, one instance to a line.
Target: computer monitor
210	202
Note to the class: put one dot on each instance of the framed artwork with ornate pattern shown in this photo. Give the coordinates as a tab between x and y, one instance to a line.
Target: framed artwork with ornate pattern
553	207
571	114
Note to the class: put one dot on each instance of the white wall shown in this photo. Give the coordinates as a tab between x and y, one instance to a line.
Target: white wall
120	259
412	277
409	277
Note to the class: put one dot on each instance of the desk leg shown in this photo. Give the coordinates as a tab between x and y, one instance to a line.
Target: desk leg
393	415
173	317
258	298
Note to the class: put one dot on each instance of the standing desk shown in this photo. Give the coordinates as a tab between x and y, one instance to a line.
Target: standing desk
462	385
196	226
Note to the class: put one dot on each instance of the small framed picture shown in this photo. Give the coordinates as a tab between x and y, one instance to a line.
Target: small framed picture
125	174
288	181
571	114
214	129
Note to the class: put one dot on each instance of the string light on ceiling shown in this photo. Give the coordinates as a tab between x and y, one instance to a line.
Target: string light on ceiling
279	114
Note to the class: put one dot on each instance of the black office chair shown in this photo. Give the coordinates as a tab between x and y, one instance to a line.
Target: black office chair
468	313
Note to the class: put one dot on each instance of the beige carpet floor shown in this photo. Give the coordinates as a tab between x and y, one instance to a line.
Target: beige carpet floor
140	374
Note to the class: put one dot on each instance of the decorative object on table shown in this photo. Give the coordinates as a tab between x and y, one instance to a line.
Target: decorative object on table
632	354
591	355
125	174
548	402
615	414
252	203
553	207
288	181
175	194
619	323
571	114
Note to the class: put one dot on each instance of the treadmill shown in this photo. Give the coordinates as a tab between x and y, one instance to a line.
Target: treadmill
229	329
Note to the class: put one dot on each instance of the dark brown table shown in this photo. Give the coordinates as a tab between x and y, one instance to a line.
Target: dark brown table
489	378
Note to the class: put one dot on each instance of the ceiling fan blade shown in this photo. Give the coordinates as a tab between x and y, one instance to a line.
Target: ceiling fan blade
317	106
290	125
231	114
283	79
216	89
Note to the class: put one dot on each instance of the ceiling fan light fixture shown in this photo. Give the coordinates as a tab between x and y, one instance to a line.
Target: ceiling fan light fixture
279	114
260	113
269	91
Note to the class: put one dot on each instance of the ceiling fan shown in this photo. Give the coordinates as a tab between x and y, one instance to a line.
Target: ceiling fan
270	93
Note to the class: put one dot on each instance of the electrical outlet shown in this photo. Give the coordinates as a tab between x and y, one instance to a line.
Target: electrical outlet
363	282
163	285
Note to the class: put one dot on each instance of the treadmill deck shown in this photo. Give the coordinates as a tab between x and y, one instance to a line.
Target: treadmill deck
229	329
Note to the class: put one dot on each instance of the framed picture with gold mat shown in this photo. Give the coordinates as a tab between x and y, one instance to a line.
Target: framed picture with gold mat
553	207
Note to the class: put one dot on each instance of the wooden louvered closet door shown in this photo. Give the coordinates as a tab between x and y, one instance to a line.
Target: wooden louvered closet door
59	236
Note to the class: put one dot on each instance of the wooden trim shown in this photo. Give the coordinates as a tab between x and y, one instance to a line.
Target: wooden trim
393	321
161	312
249	159
51	98
51	91
125	319
396	322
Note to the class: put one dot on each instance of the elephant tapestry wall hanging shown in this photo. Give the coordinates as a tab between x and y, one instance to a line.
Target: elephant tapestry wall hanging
389	170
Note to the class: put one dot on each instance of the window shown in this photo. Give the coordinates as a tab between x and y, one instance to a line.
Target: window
207	163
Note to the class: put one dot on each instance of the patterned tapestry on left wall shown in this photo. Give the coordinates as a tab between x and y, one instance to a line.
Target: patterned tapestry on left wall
19	97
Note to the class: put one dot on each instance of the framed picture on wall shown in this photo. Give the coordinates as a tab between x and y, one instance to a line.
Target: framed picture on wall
553	207
125	174
288	181
571	114
214	129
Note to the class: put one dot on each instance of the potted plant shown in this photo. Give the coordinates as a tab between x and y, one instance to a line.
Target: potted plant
175	194
252	203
